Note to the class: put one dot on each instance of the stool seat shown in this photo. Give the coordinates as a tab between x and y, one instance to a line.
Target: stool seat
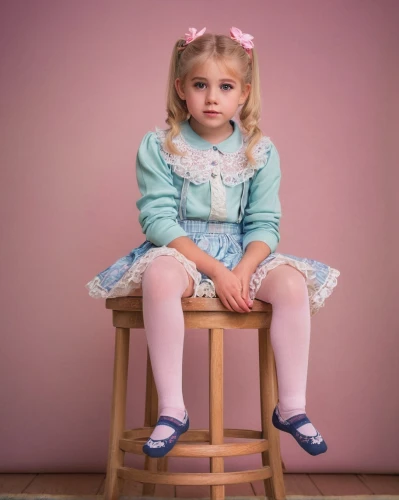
198	304
208	313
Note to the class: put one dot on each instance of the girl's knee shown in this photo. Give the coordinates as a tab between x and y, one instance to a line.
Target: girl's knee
287	285
163	269
165	275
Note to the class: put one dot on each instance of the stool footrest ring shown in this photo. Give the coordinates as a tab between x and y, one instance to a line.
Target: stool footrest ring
195	443
197	478
193	434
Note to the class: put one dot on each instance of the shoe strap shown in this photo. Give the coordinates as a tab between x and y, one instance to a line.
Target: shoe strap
172	422
298	420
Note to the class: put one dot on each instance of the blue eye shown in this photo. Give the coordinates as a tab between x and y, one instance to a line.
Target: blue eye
223	85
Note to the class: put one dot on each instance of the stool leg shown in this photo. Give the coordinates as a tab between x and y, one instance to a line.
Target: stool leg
216	427
118	413
274	486
150	419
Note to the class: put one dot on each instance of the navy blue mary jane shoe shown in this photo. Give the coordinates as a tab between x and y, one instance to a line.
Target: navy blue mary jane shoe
160	447
314	445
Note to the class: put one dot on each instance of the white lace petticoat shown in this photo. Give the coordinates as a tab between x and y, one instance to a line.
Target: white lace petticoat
131	279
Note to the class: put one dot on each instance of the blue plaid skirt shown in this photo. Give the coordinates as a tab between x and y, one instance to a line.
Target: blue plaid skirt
223	241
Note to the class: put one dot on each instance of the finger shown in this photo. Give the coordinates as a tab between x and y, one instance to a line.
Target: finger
234	305
245	295
224	300
241	300
238	303
225	303
243	304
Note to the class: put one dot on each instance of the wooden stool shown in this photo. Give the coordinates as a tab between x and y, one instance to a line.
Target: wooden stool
212	315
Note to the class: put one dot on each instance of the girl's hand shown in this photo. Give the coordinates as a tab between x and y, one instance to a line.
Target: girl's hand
244	274
229	286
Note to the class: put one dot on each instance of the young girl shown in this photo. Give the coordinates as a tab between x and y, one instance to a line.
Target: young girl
210	212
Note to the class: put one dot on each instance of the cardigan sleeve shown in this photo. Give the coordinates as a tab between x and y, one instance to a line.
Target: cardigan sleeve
157	205
262	214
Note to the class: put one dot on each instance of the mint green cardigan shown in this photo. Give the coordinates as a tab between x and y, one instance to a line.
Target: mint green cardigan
215	180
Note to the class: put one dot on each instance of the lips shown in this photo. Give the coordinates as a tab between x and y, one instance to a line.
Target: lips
212	112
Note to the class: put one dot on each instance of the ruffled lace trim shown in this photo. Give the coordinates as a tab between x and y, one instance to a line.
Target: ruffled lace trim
206	288
198	165
131	280
317	297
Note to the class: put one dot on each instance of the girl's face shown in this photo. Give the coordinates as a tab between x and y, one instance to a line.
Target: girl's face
208	87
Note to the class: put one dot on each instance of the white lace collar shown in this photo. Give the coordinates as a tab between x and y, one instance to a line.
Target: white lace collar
199	165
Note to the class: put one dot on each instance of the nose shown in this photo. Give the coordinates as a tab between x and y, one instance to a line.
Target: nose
211	97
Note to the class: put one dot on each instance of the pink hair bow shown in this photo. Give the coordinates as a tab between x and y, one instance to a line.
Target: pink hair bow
243	39
189	37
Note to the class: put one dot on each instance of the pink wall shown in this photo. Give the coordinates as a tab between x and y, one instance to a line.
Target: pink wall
81	83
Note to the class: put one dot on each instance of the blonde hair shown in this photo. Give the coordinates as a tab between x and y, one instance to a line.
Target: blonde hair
221	48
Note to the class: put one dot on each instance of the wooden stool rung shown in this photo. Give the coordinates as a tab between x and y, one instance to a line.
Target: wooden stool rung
194	478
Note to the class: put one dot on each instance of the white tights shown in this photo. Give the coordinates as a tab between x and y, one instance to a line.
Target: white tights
164	283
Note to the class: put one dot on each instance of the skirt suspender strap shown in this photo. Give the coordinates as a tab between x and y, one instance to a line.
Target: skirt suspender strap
244	199
183	199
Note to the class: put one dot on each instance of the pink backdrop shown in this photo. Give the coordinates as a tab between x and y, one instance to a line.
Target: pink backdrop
81	83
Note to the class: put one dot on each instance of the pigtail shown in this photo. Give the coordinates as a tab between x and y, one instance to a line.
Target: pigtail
251	110
176	108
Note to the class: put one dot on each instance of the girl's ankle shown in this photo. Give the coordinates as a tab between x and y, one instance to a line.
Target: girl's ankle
288	413
173	412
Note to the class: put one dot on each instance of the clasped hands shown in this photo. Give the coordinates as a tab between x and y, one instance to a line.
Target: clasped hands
232	287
